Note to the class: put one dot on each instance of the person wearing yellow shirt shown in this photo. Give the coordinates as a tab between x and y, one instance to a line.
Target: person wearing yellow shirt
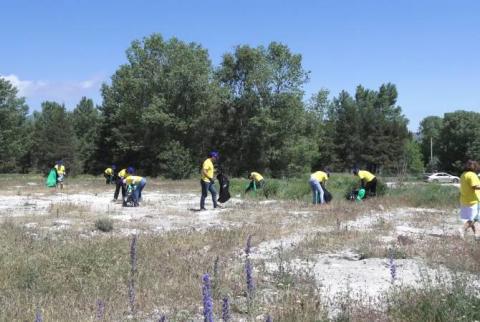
470	196
368	181
109	174
256	181
60	168
207	182
122	174
137	182
317	182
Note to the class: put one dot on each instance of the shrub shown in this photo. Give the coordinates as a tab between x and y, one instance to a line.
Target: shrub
104	224
434	303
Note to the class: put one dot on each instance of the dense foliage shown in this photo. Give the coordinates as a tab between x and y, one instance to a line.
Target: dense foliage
167	106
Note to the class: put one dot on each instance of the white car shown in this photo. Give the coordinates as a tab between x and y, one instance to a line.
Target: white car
442	177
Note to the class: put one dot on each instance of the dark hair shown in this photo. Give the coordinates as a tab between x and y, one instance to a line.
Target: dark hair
471	165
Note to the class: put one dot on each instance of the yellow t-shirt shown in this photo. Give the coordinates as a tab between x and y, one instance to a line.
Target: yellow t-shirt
109	171
256	176
207	170
320	176
468	195
366	175
123	173
133	180
60	169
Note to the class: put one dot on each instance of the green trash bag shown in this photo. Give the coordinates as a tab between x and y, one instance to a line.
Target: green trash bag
361	194
52	179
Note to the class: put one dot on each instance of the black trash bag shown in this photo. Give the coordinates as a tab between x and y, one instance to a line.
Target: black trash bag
224	187
327	196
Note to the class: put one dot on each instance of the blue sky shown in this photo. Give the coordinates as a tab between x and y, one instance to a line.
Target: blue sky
62	50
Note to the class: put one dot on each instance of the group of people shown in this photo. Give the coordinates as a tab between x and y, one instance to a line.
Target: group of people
128	182
318	179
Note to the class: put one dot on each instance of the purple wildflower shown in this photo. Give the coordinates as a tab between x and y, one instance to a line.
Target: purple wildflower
133	254
131	295
269	318
392	266
38	315
215	268
207	299
225	309
249	277
163	318
100	309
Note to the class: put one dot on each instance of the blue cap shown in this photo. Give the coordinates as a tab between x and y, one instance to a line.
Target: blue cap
214	154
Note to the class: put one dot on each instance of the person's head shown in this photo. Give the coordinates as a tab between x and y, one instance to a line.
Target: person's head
130	170
214	155
471	165
328	171
355	170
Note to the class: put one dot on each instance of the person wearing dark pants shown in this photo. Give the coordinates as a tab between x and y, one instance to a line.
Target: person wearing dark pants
110	175
256	182
207	182
119	184
368	181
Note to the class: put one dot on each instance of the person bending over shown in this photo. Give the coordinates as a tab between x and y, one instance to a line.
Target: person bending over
368	181
256	182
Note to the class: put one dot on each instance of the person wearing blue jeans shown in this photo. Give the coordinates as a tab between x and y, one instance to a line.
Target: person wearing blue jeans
208	186
207	182
137	182
137	193
316	180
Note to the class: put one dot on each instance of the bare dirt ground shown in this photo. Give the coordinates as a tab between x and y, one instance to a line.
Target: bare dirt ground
331	251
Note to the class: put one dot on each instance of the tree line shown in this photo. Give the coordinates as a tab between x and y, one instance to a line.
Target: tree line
167	106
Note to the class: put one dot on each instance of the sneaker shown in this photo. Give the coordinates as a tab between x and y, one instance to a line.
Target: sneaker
203	209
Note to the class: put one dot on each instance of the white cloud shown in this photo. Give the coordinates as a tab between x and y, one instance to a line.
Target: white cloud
68	92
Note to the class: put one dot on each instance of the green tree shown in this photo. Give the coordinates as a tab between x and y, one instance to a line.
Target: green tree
263	115
412	157
459	139
85	120
429	132
14	138
53	138
158	97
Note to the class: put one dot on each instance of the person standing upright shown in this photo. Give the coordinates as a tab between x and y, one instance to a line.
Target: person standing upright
207	182
60	168
470	196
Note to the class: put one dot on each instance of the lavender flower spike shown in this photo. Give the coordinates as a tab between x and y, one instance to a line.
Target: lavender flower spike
225	310
269	318
207	299
133	254
163	318
249	277
38	315
100	309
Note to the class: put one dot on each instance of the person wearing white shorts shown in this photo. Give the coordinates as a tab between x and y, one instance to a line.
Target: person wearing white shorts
470	196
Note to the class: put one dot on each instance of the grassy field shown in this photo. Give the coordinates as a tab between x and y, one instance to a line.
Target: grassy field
57	263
